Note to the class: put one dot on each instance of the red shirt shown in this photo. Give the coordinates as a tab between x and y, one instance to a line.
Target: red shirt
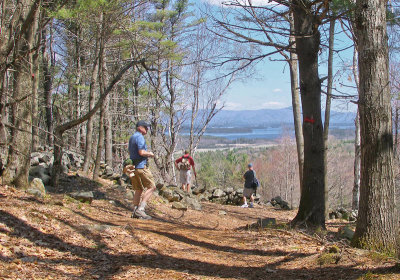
191	161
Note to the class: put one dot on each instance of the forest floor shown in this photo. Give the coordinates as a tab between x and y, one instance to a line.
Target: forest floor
59	238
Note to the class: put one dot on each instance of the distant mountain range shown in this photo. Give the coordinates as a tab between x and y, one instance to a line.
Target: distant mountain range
270	118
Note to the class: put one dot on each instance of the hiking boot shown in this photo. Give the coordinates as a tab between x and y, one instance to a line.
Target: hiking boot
244	206
140	214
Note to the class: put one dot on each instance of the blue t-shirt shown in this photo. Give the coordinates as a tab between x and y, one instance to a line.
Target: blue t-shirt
136	143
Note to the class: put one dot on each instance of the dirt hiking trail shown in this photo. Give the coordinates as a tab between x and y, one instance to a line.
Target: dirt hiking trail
60	238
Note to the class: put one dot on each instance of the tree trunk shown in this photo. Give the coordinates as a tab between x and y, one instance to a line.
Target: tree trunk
48	66
108	133
35	87
77	86
357	162
377	223
312	200
18	162
294	86
89	125
100	145
328	109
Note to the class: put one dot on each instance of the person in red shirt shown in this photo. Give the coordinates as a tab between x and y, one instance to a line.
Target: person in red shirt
184	165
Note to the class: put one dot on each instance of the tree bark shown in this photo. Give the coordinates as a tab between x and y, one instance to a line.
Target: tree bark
312	200
48	67
377	223
35	86
294	86
328	108
108	135
357	162
89	124
18	162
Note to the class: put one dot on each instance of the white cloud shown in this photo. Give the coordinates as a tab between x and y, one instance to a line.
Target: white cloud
277	90
233	106
253	2
273	105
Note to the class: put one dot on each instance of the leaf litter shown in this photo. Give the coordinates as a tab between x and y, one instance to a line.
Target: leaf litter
41	239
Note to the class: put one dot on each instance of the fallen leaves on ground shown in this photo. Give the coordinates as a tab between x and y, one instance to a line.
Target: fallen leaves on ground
40	239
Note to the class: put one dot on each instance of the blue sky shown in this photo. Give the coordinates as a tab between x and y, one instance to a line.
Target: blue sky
270	88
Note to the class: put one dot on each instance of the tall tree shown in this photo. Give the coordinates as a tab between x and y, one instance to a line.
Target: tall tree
377	223
312	200
21	47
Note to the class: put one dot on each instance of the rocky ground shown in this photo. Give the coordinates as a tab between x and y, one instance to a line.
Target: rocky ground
57	237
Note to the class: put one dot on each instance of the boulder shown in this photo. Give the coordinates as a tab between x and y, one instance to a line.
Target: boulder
109	171
198	190
218	193
129	194
179	206
41	173
229	190
34	161
83	196
266	222
36	187
192	203
346	232
34	192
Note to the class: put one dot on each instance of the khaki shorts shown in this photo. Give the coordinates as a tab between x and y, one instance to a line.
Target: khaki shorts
143	179
185	176
247	192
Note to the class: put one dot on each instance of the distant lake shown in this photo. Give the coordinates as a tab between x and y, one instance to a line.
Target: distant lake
269	133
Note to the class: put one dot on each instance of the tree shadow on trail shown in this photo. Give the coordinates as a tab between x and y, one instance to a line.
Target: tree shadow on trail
230	249
103	263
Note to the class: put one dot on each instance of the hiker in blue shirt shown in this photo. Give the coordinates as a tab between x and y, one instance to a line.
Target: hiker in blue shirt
142	181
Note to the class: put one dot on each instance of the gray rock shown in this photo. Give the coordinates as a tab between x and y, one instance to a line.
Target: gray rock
34	161
221	212
219	200
346	232
45	158
109	171
198	190
218	193
192	203
266	222
171	195
277	199
229	190
129	194
83	196
37	184
38	171
34	192
179	206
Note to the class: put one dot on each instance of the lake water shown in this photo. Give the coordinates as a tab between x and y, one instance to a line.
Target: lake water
272	133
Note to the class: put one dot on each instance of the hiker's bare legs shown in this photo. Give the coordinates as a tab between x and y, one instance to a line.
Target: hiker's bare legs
136	197
188	187
147	194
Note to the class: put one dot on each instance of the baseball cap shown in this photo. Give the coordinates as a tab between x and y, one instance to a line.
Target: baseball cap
142	123
250	165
